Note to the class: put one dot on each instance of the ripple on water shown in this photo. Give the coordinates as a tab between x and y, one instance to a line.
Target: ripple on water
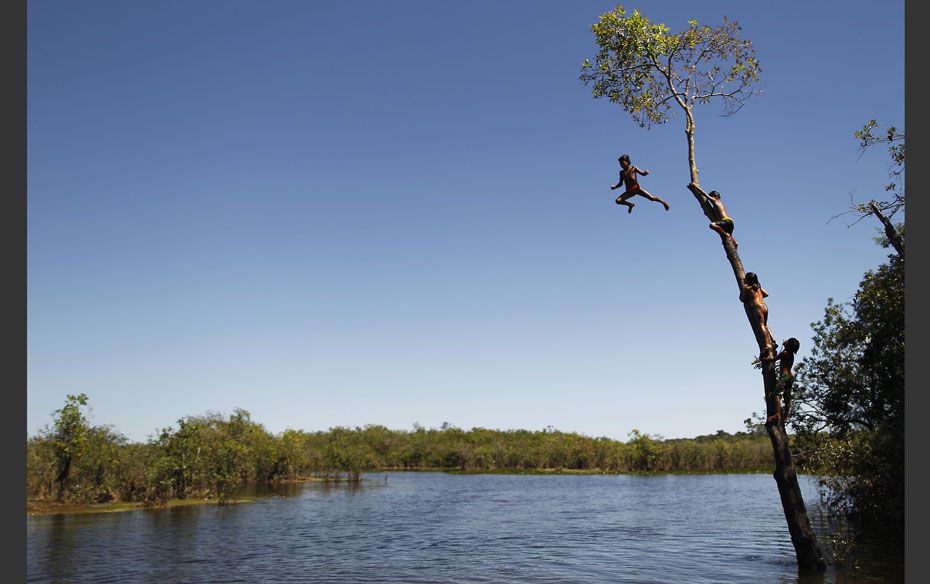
432	527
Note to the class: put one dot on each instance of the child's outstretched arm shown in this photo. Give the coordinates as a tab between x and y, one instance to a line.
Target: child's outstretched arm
642	172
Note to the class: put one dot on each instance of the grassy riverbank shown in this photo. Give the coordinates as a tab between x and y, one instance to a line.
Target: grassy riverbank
55	508
45	507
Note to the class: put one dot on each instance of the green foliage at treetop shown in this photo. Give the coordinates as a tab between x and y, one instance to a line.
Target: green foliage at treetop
648	70
212	456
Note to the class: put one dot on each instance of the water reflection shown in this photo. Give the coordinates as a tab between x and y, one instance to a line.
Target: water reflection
62	540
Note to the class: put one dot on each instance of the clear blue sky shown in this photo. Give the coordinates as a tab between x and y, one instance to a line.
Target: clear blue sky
350	213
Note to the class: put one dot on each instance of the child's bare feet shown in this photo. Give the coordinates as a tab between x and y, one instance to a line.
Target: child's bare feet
630	210
666	205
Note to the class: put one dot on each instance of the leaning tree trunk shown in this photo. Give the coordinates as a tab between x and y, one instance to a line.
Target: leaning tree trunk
61	477
890	232
808	552
806	548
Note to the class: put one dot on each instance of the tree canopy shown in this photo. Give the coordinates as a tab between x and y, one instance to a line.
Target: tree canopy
647	70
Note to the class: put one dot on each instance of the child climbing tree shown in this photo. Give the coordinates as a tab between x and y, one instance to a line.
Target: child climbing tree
651	74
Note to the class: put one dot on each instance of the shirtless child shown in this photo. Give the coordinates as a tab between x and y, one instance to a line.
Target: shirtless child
628	177
724	224
753	295
785	377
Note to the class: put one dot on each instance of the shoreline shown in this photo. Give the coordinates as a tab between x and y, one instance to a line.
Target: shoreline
568	471
41	508
44	508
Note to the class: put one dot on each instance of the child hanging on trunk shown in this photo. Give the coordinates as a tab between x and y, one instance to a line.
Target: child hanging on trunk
628	177
753	295
785	379
723	224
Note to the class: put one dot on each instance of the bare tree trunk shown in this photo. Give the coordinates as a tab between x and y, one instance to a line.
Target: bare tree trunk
890	232
806	548
61	477
689	132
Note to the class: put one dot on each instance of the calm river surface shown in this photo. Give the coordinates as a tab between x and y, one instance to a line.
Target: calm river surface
434	527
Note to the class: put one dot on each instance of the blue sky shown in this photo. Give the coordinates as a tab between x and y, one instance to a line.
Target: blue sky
350	213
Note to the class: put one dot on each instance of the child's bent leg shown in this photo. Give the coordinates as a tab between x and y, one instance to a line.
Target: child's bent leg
622	200
723	232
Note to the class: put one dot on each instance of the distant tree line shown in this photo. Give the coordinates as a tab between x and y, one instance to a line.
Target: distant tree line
213	456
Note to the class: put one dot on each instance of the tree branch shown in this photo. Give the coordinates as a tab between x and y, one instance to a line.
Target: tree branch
890	232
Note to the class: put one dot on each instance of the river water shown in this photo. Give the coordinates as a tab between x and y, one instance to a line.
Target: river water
434	527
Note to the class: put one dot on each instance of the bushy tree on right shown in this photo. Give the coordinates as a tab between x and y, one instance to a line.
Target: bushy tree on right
850	389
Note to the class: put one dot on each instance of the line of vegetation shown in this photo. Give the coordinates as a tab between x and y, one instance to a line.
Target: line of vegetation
213	456
56	508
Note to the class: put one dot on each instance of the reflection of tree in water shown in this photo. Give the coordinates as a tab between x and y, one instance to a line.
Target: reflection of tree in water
351	482
860	554
63	544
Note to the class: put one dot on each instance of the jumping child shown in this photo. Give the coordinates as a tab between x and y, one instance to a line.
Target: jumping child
628	177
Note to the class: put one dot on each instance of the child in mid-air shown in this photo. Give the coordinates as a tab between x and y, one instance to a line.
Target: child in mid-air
628	177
